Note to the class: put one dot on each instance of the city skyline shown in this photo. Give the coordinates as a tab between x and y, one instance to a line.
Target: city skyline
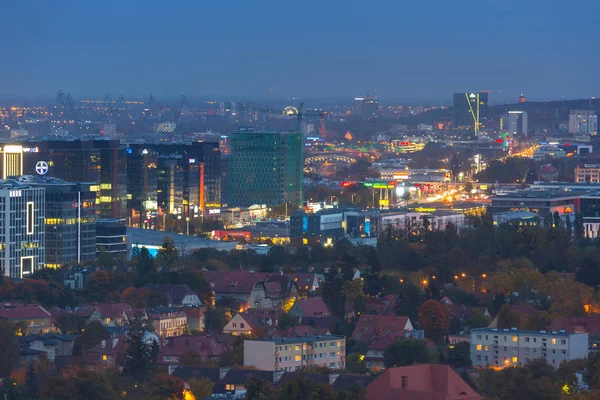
416	52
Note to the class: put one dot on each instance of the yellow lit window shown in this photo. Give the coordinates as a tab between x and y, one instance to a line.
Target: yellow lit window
515	359
94	188
486	348
106	186
297	358
515	339
104	357
297	347
107	320
553	341
478	347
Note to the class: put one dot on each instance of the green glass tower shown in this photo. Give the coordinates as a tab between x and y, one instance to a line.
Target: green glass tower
266	167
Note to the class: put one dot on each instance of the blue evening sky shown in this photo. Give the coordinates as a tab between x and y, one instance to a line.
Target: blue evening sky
420	49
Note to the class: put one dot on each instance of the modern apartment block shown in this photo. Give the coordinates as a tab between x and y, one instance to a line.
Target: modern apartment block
22	235
492	347
589	173
583	122
291	354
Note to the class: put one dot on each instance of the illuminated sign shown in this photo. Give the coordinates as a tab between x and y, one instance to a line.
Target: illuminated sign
368	184
214	211
31	149
425	210
129	151
41	167
192	160
305	223
346	184
568	210
212	205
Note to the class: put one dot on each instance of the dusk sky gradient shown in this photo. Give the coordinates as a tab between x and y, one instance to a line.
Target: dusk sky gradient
422	49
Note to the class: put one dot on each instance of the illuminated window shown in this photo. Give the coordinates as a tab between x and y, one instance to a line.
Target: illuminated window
515	359
30	217
553	341
297	347
107	320
478	347
297	358
104	357
515	339
486	348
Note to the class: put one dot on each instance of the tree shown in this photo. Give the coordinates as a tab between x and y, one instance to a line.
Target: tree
286	321
257	389
459	355
10	352
353	290
164	386
68	323
94	334
355	363
406	352
433	319
140	356
32	382
507	318
11	390
168	256
201	388
145	262
408	301
78	383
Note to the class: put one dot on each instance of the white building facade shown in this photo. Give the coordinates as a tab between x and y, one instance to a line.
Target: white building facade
583	122
492	347
22	236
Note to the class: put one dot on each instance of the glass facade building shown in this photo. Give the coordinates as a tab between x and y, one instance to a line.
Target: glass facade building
266	168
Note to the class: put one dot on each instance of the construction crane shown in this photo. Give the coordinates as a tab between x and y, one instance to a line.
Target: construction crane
65	105
322	117
179	108
119	103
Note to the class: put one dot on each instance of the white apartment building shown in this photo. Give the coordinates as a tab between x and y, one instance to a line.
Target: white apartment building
291	354
492	347
583	122
22	238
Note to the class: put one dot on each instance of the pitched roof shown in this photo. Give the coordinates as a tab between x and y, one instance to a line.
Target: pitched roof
175	293
369	327
187	373
572	325
313	307
20	311
423	382
233	282
205	346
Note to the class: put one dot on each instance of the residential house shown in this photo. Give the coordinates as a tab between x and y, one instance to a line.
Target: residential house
111	352
167	321
52	344
32	319
109	314
252	320
310	307
180	295
376	349
420	382
195	317
370	327
205	346
76	277
307	283
244	287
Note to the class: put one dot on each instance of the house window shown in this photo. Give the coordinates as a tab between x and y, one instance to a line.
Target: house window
478	347
564	352
229	387
332	354
297	348
553	341
404	382
486	348
515	359
526	340
297	358
242	325
104	357
515	339
479	337
563	341
234	324
478	358
107	320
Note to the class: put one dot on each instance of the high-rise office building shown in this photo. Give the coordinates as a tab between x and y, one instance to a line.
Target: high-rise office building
182	179
266	167
22	234
470	111
70	220
99	161
517	123
366	107
12	160
583	122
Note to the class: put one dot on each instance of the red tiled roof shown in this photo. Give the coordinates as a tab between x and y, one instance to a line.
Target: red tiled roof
300	330
370	326
313	307
19	311
423	382
572	324
232	282
205	346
